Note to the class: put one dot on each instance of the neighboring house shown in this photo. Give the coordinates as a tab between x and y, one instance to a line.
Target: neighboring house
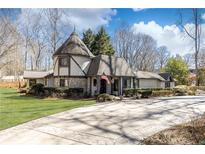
169	80
11	78
149	80
34	77
76	67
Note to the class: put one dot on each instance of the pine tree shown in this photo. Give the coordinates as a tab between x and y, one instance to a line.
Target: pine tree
102	44
88	38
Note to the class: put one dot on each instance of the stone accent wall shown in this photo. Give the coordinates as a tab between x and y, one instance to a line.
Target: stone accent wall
78	83
73	82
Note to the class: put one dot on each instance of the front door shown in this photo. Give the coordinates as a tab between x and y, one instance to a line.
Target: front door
102	86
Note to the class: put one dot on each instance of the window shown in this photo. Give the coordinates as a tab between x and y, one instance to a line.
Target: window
63	61
62	82
126	83
95	82
115	86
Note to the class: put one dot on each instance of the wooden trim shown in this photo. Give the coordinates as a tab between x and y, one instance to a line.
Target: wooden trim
78	65
70	76
69	65
90	86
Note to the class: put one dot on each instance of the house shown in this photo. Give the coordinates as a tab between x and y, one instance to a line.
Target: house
11	78
149	80
169	80
43	77
76	67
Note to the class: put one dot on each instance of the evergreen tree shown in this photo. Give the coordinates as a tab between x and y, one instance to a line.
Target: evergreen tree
102	44
88	38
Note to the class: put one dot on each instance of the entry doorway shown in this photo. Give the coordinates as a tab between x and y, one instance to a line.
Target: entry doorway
103	86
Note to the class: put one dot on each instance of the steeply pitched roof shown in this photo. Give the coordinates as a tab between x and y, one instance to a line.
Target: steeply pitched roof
109	65
36	74
148	75
74	45
166	76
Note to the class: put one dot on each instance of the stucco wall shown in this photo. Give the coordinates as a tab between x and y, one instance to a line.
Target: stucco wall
93	88
75	70
151	83
84	62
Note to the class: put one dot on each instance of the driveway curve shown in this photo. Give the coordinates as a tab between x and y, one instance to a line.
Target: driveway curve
125	122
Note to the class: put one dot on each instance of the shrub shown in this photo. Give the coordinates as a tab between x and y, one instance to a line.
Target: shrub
145	93
129	92
181	90
74	92
37	89
161	93
105	97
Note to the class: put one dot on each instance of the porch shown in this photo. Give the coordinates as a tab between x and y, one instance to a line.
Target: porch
110	84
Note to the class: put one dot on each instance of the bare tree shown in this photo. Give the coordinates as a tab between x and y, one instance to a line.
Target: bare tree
188	59
195	34
163	56
135	48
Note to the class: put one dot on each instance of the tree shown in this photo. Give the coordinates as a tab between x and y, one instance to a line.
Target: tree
102	44
188	59
88	39
10	47
178	69
202	76
195	34
135	48
163	56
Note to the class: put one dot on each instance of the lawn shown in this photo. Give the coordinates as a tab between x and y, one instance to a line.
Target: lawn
16	109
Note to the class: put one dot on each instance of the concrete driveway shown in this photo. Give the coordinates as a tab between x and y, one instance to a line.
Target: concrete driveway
124	122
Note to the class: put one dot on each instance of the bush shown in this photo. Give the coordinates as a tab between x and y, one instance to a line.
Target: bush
181	90
161	93
145	93
105	97
37	89
129	92
74	92
63	92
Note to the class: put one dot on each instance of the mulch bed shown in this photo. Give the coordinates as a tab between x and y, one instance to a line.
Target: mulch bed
192	132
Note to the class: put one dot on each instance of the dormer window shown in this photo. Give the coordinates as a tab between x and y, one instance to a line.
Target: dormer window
63	61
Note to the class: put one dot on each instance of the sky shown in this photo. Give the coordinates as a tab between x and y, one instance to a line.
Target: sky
161	24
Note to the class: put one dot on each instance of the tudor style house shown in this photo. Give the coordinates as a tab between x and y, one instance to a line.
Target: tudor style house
74	66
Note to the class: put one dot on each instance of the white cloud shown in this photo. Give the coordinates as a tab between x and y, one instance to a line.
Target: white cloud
82	19
171	36
138	9
90	18
203	16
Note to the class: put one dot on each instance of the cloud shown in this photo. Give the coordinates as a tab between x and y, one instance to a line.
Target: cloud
90	18
171	36
203	16
138	9
82	19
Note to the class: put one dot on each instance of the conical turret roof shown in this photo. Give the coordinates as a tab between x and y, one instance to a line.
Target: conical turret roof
75	46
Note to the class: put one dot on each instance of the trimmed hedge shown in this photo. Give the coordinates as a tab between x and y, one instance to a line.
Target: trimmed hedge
39	90
161	93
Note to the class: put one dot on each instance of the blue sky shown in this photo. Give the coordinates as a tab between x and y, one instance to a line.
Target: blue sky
161	24
162	16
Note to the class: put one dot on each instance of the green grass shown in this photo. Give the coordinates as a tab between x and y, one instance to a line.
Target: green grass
16	109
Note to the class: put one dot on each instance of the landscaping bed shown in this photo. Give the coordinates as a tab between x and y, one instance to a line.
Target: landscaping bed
192	132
